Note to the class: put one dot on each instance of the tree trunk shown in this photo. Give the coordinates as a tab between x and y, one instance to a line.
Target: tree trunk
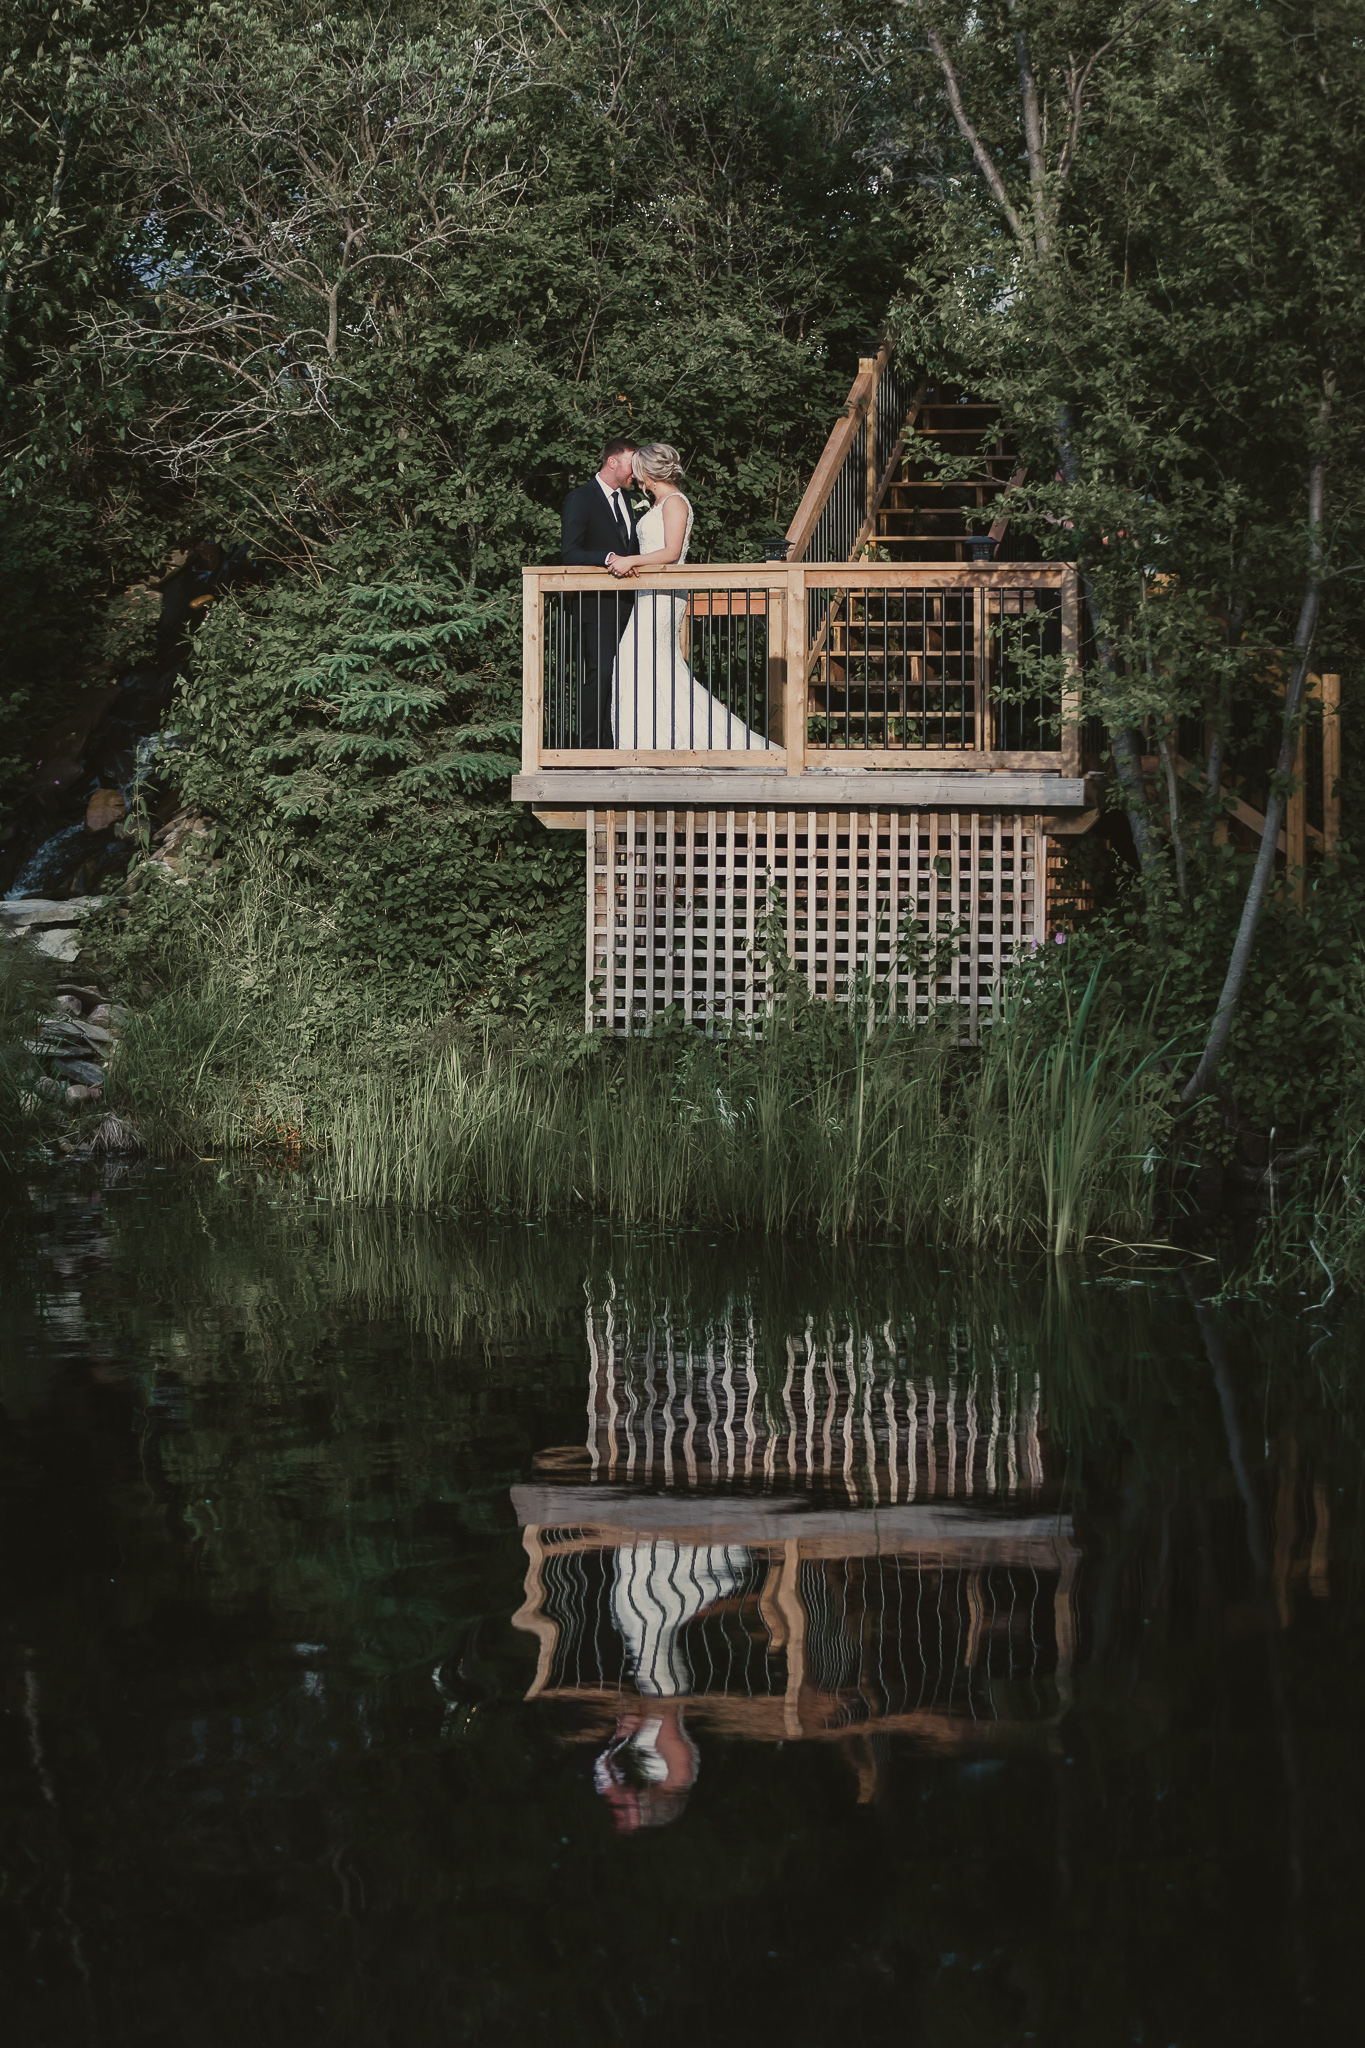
1168	755
1213	777
1201	1082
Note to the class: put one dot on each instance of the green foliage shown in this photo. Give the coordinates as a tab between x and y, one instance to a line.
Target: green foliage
1163	291
26	1111
361	735
562	227
1293	1029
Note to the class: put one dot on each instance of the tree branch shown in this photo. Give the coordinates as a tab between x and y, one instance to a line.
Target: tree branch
970	136
1080	81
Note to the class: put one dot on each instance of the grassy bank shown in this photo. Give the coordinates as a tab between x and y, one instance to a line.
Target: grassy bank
1061	1130
899	1132
840	1122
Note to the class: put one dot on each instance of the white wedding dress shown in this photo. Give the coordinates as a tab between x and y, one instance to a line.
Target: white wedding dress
657	702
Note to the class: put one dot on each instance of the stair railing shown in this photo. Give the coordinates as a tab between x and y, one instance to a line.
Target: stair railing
838	512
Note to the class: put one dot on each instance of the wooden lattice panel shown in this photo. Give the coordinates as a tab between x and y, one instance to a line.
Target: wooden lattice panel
681	904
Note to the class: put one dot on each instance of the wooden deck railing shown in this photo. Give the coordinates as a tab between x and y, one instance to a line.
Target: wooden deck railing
797	668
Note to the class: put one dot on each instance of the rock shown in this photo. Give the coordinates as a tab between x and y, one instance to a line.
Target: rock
49	1088
105	808
24	912
80	1092
62	1031
84	1072
57	771
50	924
71	1005
76	1038
88	998
174	842
57	945
115	1134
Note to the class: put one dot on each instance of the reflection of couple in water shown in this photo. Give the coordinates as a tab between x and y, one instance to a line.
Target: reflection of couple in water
650	1765
636	682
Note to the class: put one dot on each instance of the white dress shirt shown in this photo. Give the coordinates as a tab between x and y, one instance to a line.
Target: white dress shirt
612	497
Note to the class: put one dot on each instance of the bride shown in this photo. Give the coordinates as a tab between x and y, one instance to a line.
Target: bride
657	701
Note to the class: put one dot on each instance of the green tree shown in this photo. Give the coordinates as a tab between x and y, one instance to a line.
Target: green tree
1149	251
396	276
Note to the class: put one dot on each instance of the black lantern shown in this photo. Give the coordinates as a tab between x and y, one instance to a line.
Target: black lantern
869	346
777	549
983	546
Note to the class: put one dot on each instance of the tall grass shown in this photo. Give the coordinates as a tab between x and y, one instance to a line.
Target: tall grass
906	1135
1313	1237
247	1028
842	1121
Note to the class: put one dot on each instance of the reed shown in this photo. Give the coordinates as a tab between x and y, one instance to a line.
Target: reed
843	1121
896	1132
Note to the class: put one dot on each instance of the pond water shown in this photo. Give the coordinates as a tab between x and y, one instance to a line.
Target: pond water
428	1634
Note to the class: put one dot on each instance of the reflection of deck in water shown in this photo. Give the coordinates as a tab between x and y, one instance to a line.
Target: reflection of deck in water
842	1551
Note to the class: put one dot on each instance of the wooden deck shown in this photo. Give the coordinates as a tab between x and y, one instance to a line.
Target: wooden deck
848	748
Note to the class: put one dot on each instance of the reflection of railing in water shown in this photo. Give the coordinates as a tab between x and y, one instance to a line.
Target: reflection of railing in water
831	1546
840	1632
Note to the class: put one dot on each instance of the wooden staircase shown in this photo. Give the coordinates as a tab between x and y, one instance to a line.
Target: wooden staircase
921	516
880	492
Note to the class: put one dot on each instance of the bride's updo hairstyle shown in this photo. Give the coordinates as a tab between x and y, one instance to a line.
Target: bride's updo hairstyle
657	460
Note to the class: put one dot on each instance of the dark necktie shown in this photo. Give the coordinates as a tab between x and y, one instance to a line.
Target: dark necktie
622	526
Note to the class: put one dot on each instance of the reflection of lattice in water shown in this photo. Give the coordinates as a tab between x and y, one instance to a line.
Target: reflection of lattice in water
835	1416
677	904
802	1547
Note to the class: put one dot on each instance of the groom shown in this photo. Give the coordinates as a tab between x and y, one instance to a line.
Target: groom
597	523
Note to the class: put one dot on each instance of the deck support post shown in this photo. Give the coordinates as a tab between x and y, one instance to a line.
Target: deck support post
1331	765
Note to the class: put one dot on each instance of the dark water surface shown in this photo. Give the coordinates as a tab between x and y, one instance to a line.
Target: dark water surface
422	1635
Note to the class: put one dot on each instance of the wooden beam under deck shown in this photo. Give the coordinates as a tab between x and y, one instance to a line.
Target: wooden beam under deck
881	789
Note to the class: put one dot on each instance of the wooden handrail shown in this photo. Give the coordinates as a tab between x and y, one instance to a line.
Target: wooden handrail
869	526
832	460
1000	527
860	407
1297	833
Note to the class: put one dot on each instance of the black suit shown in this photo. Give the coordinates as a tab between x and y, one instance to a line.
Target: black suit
588	534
